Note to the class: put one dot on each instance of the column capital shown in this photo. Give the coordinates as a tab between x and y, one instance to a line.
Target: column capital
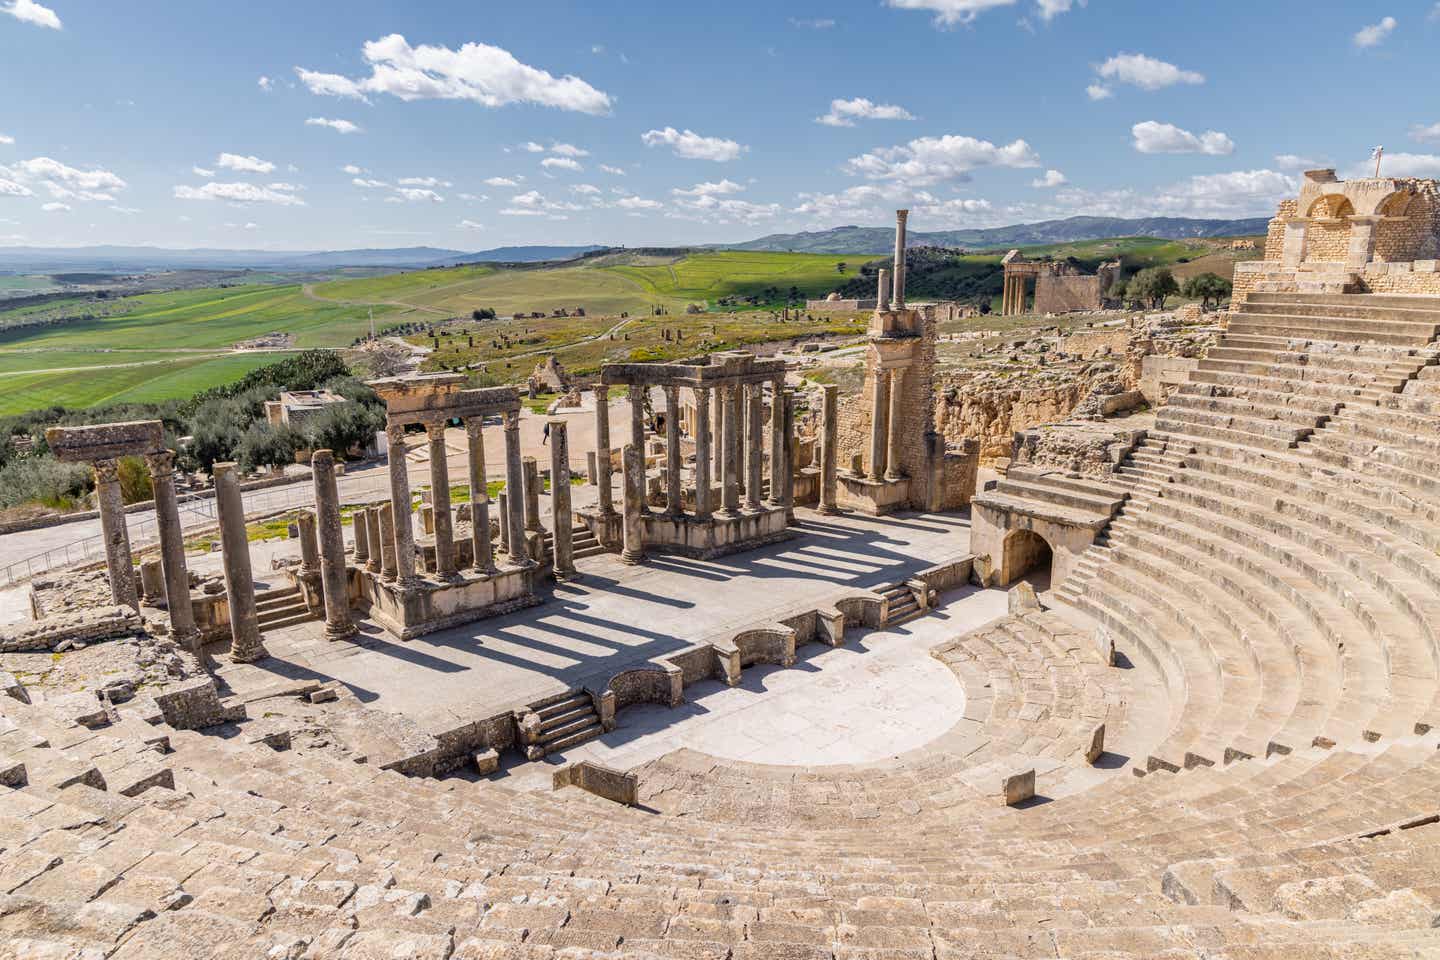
395	433
602	391
474	427
512	420
162	463
435	431
107	470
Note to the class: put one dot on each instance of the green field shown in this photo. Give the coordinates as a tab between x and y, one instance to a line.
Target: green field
139	384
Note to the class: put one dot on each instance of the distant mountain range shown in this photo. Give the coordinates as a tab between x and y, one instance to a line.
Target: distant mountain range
1070	230
137	259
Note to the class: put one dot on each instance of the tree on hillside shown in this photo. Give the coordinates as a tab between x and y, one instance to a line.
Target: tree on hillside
1208	288
484	313
267	446
841	266
1153	285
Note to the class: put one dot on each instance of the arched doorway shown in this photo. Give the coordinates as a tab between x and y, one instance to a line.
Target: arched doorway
1028	556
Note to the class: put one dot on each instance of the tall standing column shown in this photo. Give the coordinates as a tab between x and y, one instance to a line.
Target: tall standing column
515	490
717	433
702	453
386	514
634	549
400	504
481	549
674	501
897	413
361	533
730	461
602	450
787	469
440	501
899	299
561	518
245	643
172	551
637	429
333	576
879	417
118	562
375	562
829	448
777	437
882	294
754	447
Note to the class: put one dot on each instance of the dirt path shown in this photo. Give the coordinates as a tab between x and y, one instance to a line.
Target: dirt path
187	354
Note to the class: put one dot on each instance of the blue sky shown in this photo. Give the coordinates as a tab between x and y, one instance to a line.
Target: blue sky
320	124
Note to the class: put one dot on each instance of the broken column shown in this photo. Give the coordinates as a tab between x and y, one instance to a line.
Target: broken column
245	643
602	450
532	496
892	430
561	519
479	497
898	301
309	546
172	550
400	504
634	478
361	532
702	453
674	504
118	562
385	519
754	446
515	491
333	577
829	448
879	417
440	501
882	293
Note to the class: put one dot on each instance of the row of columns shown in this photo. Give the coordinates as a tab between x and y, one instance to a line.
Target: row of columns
1012	299
887	412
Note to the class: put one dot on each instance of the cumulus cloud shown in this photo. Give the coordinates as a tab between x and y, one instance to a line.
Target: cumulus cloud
202	172
423	182
1240	193
12	188
6	140
352	169
54	206
415	194
930	160
366	184
1292	161
1050	9
474	197
533	203
532	147
585	189
638	203
844	113
244	164
692	146
1419	132
613	171
339	126
1052	178
715	189
711	203
503	181
1398	165
61	181
470	225
949	13
265	83
568	150
1098	91
125	210
1154	137
877	201
561	163
1375	34
1141	71
28	11
476	72
279	194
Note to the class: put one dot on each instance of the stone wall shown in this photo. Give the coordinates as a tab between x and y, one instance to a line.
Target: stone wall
65	630
1087	448
1275	232
1061	294
1089	344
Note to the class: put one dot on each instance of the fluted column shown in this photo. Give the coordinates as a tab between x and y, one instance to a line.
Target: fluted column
118	562
730	461
440	501
602	450
245	643
515	490
674	501
400	504
829	448
879	418
172	551
483	553
560	515
634	546
754	446
702	453
333	576
897	413
901	216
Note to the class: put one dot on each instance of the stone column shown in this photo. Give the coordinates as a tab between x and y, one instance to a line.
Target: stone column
309	546
829	448
504	504
590	467
602	450
440	502
245	644
787	471
531	469
702	453
400	504
882	294
483	553
634	549
778	447
386	522
879	417
562	521
754	448
899	299
361	532
333	576
637	416
897	414
172	551
730	460
515	491
1362	241
674	501
118	562
1292	253
717	433
374	563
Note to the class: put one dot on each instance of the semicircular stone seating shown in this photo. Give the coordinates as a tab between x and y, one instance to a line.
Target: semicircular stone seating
1273	581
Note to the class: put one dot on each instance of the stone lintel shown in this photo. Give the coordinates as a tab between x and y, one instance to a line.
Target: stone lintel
106	441
728	367
409	401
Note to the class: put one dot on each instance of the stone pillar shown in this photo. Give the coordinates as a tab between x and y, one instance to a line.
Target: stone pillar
400	504
787	470
899	299
717	433
374	563
829	448
879	418
882	294
1292	253
674	501
482	551
309	546
590	467
1362	241
245	644
504	502
361	533
440	502
897	414
152	580
531	469
702	453
778	446
634	549
386	522
333	576
637	416
561	518
172	551
602	450
754	448
118	562
515	491
730	460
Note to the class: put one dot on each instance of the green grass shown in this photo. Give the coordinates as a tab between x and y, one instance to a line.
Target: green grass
103	385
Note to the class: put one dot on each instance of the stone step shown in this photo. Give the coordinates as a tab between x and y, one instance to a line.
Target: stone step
558	720
583	735
592	551
1243	407
1359	306
1393	333
569	728
1305	373
1243	431
272	599
1277	382
290	621
561	703
1042	491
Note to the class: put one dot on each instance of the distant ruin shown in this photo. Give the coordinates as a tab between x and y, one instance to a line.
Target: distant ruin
1059	287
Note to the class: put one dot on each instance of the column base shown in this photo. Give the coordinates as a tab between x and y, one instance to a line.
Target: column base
631	559
565	576
249	654
337	631
893	476
828	510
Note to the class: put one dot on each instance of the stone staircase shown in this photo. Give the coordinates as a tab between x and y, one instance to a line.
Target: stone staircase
583	542
281	607
902	606
566	720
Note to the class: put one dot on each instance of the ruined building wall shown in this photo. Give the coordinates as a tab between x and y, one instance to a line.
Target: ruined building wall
1275	235
1327	241
1066	294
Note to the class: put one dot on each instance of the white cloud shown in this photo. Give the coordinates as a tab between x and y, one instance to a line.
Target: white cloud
1154	137
1050	9
470	225
948	13
532	147
613	171
561	163
415	194
54	207
202	172
818	23
931	160
10	188
638	203
878	201
241	193
478	72
844	113
244	164
533	203
585	189
1241	193
503	182
1398	165
568	150
423	182
339	126
1292	161
370	184
474	197
6	140
692	146
709	189
352	169
28	11
125	210
265	83
1098	91
1375	34
61	181
1141	71
1423	133
1052	178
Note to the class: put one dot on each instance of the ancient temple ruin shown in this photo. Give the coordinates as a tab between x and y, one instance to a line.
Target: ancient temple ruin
1059	287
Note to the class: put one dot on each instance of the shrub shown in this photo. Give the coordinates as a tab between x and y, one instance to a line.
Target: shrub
44	480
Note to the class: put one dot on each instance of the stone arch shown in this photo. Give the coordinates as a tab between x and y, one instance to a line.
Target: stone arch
1328	238
1025	552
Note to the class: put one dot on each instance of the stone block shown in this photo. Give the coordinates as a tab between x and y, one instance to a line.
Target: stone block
486	761
1018	788
12	773
1105	646
324	695
13	688
1097	744
1022	599
194	705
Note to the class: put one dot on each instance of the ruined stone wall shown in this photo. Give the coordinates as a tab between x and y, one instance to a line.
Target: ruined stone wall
993	415
1064	294
1327	241
1094	343
1412	276
1409	231
1275	234
62	631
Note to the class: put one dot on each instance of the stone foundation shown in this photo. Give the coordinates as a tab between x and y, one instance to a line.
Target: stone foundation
65	630
872	497
716	535
427	606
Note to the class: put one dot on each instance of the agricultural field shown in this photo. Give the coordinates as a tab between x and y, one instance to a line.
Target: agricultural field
149	382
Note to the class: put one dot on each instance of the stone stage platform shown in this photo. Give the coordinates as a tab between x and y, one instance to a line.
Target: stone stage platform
613	618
